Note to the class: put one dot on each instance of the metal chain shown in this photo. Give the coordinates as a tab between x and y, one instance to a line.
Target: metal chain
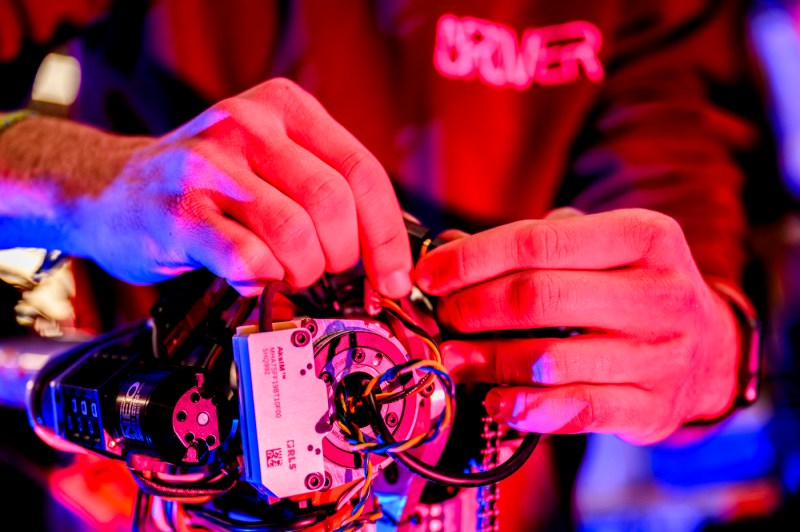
487	496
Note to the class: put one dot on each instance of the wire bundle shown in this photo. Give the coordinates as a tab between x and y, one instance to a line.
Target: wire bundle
346	408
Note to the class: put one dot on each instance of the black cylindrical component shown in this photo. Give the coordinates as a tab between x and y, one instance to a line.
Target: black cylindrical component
170	414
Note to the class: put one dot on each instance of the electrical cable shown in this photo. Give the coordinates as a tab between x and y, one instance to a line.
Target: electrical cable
211	488
238	525
434	474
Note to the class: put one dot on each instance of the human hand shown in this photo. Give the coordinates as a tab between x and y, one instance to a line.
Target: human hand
659	346
262	186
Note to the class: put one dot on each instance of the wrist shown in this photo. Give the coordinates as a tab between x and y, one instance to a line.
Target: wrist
51	169
740	362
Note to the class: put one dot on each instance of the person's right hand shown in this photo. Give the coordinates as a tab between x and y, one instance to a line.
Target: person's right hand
262	186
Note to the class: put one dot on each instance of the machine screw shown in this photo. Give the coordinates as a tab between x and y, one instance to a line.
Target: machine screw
309	324
314	481
427	391
391	419
300	338
359	356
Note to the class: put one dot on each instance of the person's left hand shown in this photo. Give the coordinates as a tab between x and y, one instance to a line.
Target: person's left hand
659	346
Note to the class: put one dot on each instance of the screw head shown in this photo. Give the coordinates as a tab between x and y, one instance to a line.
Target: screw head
314	481
359	356
391	419
300	338
309	324
326	378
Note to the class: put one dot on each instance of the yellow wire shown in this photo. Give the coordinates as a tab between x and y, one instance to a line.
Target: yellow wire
423	250
348	405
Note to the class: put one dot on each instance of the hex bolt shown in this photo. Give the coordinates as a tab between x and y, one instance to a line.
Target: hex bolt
314	481
359	356
300	338
391	419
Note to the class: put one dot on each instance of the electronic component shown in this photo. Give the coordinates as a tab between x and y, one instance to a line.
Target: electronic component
327	402
288	382
113	401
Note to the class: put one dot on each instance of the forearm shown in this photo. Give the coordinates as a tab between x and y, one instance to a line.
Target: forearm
49	167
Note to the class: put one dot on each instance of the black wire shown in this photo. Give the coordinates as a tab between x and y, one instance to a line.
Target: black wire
423	382
159	488
265	303
237	525
434	474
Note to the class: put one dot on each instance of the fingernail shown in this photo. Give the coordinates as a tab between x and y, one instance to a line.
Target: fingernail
495	405
397	284
452	356
422	278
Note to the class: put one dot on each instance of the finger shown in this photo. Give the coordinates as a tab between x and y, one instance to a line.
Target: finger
594	242
233	252
580	408
321	191
591	358
446	235
281	223
623	300
384	242
562	213
249	288
452	234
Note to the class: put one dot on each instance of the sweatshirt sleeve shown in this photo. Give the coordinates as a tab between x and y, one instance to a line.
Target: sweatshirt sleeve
666	131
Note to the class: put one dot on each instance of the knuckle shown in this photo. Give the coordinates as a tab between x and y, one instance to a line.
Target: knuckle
281	84
461	262
654	229
293	226
328	194
391	241
254	262
673	289
503	372
535	239
234	106
521	302
285	94
544	293
591	415
509	368
356	161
